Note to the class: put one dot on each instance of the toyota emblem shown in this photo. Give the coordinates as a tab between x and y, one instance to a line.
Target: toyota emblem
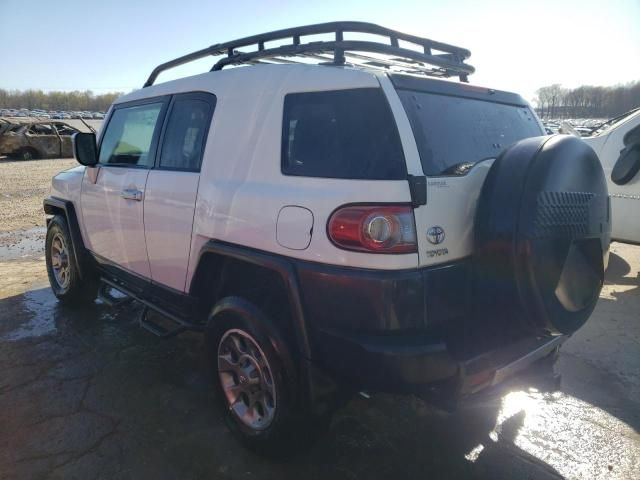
435	235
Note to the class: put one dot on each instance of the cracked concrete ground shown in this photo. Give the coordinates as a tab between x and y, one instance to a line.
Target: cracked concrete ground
87	394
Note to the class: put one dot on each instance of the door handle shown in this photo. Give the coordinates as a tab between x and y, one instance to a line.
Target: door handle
131	194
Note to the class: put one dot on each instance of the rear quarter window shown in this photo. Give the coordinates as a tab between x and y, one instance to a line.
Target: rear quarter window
341	134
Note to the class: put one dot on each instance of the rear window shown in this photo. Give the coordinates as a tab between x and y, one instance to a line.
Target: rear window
341	134
454	133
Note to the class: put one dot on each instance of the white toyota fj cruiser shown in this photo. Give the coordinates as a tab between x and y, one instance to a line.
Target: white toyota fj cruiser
352	225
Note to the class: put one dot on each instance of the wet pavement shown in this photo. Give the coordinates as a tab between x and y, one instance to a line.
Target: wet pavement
22	243
88	394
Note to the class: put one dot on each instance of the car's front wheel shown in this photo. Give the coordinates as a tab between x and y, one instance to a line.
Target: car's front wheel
26	154
255	382
62	268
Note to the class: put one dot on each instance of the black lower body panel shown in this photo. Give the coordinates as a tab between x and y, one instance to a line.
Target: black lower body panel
404	331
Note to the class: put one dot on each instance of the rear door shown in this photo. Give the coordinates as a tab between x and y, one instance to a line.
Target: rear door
112	198
172	188
458	133
44	138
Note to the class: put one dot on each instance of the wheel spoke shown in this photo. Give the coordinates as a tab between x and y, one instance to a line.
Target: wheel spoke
225	364
238	342
252	374
240	408
234	393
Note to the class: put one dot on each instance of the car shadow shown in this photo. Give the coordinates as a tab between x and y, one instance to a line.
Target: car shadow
618	271
142	405
606	350
9	159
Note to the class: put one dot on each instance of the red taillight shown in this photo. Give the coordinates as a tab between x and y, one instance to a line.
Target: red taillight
368	228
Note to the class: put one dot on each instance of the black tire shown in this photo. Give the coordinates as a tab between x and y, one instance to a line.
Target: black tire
292	426
26	153
69	288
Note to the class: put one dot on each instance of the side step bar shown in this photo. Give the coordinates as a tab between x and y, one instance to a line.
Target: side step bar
174	324
104	294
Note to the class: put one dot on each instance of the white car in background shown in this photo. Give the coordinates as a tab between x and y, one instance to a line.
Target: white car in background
617	143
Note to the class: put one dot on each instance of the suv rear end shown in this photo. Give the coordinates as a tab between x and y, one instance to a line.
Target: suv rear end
402	329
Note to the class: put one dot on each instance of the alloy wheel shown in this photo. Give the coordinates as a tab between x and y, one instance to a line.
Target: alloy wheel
60	261
246	379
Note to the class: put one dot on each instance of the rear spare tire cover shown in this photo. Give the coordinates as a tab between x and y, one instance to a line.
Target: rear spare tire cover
542	235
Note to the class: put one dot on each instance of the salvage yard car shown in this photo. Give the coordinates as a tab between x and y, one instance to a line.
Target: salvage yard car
39	139
360	224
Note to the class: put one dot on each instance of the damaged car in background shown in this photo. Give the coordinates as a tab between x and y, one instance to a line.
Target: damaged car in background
36	139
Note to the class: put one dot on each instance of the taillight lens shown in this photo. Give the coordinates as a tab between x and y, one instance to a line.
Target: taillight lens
380	229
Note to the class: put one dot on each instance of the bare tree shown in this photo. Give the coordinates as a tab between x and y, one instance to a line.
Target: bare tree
75	100
554	101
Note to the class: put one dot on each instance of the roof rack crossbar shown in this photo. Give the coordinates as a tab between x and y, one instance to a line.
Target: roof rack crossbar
408	67
448	59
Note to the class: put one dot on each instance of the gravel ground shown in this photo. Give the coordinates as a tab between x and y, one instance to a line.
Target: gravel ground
22	219
22	194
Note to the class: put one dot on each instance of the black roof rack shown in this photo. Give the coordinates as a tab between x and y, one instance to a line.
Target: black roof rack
394	50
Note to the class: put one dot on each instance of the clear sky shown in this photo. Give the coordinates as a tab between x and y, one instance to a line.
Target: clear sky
112	45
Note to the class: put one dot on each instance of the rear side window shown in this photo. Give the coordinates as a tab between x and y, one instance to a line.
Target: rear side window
41	129
341	134
65	130
454	133
186	132
128	138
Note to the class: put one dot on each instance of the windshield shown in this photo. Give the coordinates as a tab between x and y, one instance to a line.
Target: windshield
454	133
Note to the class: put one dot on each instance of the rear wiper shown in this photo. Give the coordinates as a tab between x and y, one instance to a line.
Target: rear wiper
463	168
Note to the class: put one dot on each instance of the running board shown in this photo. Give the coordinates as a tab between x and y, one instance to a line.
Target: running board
104	294
171	325
158	329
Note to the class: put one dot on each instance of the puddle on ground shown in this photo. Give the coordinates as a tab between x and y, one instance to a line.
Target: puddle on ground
546	426
39	305
22	243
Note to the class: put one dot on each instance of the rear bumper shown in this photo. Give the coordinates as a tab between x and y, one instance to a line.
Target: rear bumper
398	331
493	368
418	365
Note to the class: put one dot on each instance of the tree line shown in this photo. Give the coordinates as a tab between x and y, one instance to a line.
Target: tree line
66	101
554	101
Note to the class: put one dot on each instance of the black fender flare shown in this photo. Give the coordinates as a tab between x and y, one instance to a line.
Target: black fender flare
320	389
53	206
281	266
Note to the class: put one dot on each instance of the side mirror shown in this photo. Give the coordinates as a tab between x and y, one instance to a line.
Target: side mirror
627	166
85	150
